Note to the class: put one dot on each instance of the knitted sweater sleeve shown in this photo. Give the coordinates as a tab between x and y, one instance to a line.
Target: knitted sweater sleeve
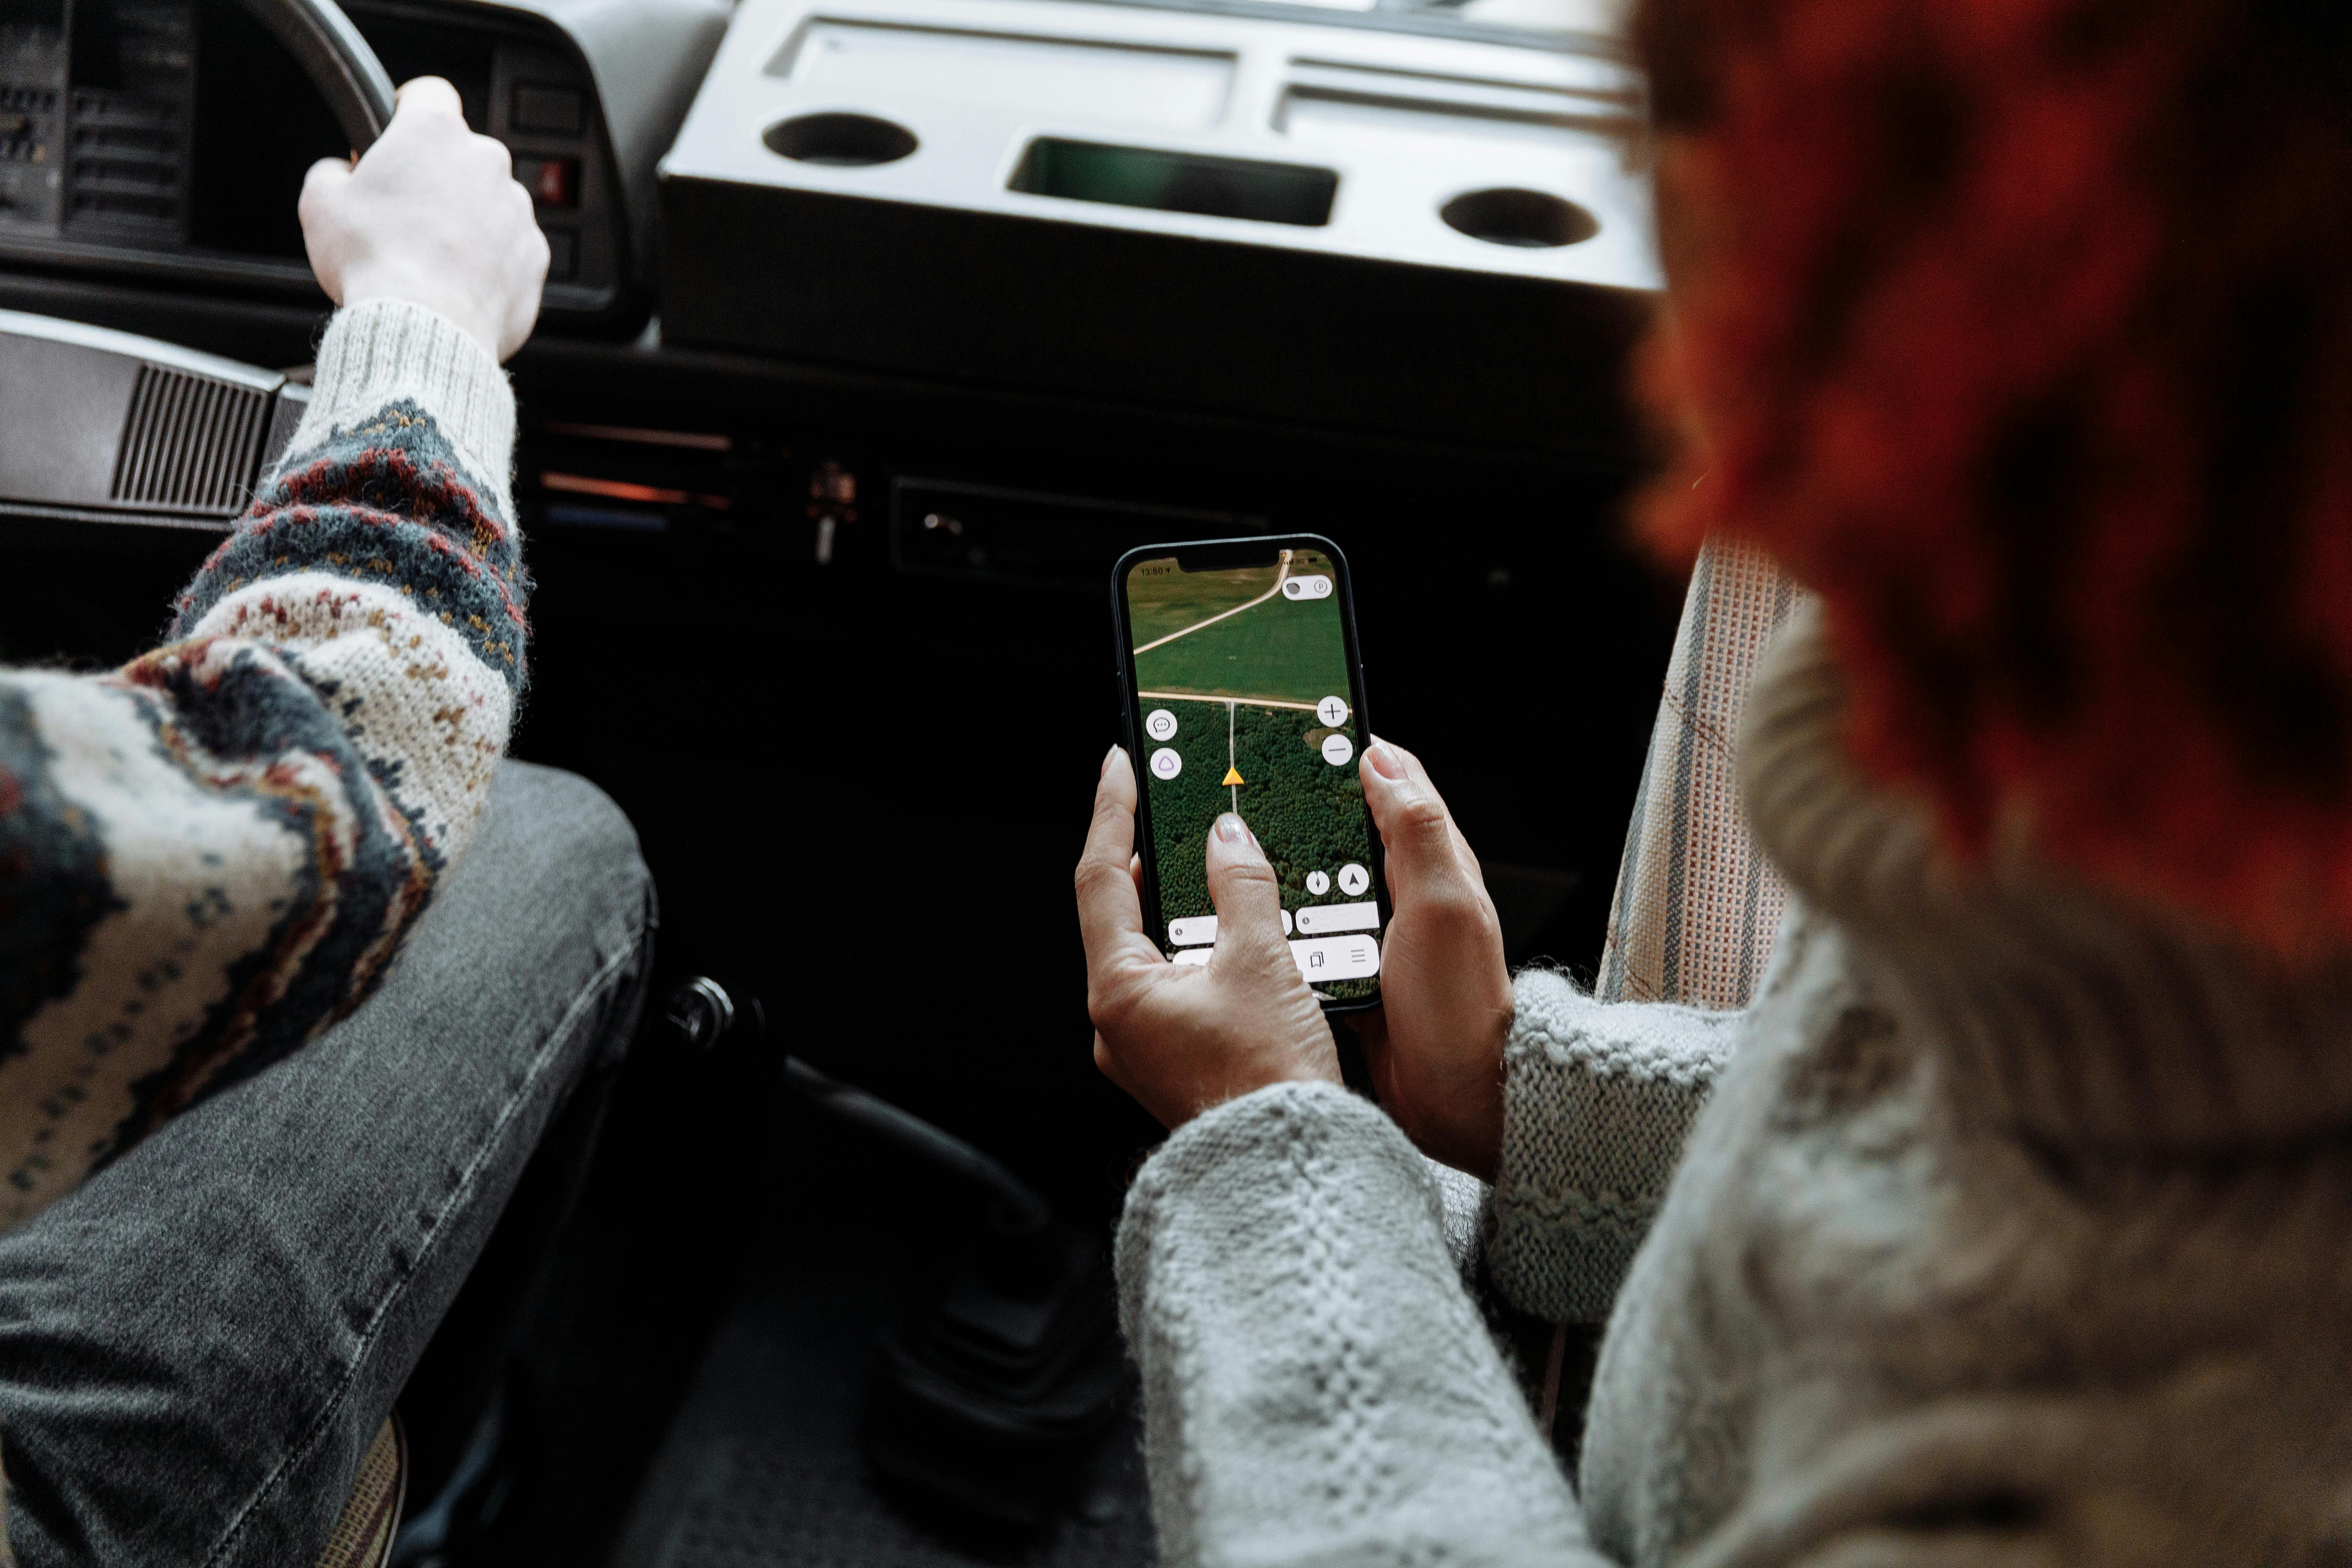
1317	1387
211	853
1597	1098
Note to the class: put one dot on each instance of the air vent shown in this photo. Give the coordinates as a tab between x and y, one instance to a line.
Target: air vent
189	444
127	160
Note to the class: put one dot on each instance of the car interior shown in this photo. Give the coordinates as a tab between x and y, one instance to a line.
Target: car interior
875	332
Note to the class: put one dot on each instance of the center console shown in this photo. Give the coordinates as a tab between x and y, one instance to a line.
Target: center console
1253	215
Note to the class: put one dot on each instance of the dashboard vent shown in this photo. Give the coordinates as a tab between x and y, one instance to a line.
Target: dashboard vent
189	443
127	164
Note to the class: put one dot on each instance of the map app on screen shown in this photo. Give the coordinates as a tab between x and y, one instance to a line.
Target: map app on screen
1242	677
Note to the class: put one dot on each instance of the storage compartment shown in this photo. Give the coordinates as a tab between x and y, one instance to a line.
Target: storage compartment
1066	77
1323	116
1170	182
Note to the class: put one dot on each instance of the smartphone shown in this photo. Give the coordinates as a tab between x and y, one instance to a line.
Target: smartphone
1243	691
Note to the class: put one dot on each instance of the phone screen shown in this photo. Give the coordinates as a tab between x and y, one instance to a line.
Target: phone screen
1243	679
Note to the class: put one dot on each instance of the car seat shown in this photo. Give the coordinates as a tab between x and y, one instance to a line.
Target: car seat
371	1517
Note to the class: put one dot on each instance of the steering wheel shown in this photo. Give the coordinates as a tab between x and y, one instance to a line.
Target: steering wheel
338	61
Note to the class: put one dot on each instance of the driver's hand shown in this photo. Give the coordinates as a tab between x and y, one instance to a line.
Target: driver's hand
1436	1046
431	215
1181	1038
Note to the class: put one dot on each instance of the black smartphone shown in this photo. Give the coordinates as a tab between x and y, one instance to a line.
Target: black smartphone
1243	692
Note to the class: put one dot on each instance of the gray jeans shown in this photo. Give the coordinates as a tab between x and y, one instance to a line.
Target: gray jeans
196	1345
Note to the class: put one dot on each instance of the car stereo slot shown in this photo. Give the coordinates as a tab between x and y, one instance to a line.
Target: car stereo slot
982	533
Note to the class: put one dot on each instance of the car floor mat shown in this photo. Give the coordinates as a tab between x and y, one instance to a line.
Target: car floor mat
762	1463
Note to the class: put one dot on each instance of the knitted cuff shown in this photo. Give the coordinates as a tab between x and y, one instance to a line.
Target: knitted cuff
1240	1164
1317	1388
386	351
1597	1099
1467	1205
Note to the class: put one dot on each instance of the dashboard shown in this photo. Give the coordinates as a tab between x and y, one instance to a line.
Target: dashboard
164	142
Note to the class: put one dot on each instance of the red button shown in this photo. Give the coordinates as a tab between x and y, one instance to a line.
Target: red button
553	182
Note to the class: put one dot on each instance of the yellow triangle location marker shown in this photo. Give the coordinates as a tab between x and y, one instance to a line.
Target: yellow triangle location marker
1232	777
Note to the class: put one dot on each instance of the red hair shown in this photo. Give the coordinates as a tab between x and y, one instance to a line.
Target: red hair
2021	331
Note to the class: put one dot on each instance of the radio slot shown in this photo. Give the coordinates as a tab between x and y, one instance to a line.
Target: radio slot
982	533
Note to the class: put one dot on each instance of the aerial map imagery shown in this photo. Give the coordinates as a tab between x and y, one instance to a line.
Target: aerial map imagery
1243	676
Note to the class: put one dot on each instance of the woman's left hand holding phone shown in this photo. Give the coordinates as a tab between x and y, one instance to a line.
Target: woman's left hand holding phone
1184	1039
1434	1047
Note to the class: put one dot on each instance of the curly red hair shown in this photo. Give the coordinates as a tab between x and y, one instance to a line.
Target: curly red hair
2021	331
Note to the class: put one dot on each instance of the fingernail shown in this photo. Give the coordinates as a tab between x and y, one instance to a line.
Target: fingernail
1107	757
1385	759
1231	829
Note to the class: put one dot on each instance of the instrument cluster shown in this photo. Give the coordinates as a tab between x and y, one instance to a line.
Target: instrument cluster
165	141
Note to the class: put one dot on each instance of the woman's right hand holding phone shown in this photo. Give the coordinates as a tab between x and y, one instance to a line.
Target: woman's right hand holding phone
1183	1037
1435	1045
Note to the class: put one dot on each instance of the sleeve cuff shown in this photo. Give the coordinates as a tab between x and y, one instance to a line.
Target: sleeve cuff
1285	1292
1238	1168
1597	1098
387	351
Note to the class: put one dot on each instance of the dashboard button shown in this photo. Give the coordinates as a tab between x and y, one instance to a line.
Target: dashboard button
553	182
563	254
553	109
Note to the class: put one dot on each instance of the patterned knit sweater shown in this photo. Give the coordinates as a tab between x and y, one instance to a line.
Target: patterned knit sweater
2013	1230
209	855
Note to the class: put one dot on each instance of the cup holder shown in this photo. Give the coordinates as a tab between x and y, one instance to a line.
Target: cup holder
1534	220
844	141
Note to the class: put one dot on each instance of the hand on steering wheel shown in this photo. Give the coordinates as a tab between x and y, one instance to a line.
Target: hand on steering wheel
1435	1045
431	215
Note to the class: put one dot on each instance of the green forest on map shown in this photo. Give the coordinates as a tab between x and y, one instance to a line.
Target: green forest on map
1243	689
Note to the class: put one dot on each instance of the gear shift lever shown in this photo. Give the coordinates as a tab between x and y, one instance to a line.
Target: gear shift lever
993	1398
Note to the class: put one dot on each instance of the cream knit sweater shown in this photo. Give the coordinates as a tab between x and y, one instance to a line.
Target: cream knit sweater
2013	1230
214	852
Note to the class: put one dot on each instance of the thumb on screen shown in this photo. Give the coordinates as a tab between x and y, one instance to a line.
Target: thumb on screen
1241	886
